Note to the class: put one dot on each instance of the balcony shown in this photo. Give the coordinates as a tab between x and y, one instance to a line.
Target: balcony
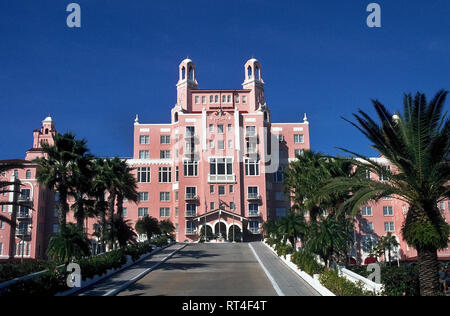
253	197
250	134
24	215
190	214
191	197
254	231
191	231
23	232
253	213
221	178
25	199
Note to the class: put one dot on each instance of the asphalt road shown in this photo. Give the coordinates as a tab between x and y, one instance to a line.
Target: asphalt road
206	270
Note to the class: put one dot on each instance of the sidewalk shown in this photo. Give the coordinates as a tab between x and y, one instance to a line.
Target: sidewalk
119	281
287	281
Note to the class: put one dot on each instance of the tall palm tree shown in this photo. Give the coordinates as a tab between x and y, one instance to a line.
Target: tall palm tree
70	243
57	167
417	144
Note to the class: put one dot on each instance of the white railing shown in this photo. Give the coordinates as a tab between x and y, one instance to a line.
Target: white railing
221	178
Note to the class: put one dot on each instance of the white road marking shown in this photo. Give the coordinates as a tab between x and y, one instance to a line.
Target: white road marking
271	279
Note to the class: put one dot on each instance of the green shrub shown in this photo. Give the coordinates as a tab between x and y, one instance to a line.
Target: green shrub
160	241
283	250
136	251
14	269
306	262
271	241
397	281
341	286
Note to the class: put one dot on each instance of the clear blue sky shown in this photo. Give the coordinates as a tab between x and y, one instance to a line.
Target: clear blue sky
318	57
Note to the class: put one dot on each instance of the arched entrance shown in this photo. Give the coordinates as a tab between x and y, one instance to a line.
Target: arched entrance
209	233
220	230
234	233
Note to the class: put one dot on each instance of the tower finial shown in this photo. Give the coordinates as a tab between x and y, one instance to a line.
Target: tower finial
305	119
136	121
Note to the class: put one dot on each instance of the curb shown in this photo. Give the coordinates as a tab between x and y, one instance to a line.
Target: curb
111	272
141	275
314	283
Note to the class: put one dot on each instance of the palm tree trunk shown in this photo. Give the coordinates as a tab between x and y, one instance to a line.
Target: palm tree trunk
80	215
111	203
428	272
15	209
119	204
63	208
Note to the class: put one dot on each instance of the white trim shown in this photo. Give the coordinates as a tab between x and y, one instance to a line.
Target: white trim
237	130
149	162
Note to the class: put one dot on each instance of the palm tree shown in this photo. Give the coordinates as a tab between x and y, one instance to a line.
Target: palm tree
329	238
123	232
147	225
166	228
417	144
307	175
292	227
57	167
389	243
70	243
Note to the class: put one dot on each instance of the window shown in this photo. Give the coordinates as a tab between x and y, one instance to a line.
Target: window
220	145
250	131
298	152
197	99
191	210
388	211
1	249
191	192
228	98
190	228
211	189
211	99
252	192
142	211
230	144
231	189
220	129
190	147
143	196
442	206
165	154
144	140
216	99
220	166
28	174
203	99
387	197
224	99
165	139
279	196
211	128
221	190
278	177
370	226
190	131
253	209
164	212
3	208
2	225
236	99
25	194
165	174
298	139
177	174
176	212
254	227
144	175
384	173
244	99
232	206
190	168
211	144
164	196
366	211
388	226
143	154
211	206
230	128
281	212
251	167
16	173
125	212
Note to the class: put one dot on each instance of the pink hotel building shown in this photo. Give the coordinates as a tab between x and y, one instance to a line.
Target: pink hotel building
219	162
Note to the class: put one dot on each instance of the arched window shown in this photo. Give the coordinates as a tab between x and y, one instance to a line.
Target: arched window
46	131
175	117
249	72
183	73
191	73
28	174
258	73
266	117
